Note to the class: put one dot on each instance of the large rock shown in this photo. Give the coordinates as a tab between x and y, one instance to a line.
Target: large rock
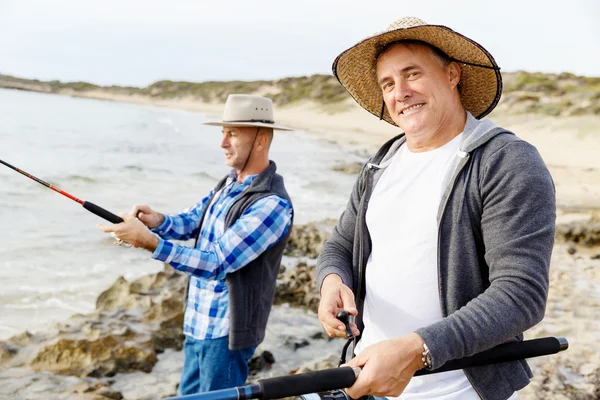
297	286
261	362
7	351
105	356
25	384
170	334
586	233
352	168
133	322
324	363
118	295
307	240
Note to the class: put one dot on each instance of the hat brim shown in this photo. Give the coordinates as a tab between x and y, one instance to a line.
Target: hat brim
480	85
242	124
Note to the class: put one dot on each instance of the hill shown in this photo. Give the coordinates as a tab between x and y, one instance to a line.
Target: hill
562	94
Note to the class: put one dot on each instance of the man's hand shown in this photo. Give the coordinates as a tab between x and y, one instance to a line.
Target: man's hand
387	367
132	231
335	297
148	216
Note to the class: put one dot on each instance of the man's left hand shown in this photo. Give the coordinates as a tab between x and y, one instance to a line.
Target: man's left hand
132	231
387	367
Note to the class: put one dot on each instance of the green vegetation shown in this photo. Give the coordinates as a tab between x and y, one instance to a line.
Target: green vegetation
323	89
524	92
318	88
533	82
77	86
551	94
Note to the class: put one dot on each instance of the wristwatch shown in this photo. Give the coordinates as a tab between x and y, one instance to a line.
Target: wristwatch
426	357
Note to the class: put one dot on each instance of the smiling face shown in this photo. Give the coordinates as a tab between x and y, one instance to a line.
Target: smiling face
419	91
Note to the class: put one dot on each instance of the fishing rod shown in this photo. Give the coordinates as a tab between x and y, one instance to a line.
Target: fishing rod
91	207
313	385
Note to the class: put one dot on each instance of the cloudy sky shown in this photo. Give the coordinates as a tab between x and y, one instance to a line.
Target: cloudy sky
137	42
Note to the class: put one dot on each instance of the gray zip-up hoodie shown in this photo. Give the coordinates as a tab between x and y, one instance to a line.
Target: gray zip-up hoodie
496	224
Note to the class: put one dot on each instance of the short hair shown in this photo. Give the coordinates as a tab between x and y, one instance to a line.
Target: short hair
268	132
436	53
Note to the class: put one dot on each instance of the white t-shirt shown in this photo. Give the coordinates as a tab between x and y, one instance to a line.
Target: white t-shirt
401	276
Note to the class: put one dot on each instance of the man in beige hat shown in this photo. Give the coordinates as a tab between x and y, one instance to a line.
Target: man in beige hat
241	229
444	248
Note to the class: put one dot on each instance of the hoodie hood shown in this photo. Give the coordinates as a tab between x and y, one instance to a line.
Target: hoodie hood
475	134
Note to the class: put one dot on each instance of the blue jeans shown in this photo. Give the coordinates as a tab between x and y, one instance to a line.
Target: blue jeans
210	365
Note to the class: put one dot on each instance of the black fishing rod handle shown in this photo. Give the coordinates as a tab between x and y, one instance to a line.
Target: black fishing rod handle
344	316
310	382
505	352
102	213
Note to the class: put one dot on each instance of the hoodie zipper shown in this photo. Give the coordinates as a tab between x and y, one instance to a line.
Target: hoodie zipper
464	162
439	230
362	222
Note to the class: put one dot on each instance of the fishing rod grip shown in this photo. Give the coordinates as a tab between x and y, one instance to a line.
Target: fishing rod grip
102	213
310	382
505	352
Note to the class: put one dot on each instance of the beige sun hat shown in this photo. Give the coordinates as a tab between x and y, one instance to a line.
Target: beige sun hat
480	82
248	110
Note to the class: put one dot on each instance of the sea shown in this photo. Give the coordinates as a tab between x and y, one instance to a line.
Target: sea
54	262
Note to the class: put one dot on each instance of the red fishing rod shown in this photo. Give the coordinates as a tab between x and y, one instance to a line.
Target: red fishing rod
91	207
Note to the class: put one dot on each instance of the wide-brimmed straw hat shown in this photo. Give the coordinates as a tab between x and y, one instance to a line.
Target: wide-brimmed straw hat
248	110
480	82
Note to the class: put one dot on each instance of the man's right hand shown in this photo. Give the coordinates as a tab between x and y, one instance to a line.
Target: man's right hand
335	297
149	217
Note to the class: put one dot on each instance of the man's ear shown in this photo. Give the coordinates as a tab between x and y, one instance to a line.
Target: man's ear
261	139
454	73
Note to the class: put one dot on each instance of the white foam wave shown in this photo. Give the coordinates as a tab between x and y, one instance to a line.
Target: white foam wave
49	303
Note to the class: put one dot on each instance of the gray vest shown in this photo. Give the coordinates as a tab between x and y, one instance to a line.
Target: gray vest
252	288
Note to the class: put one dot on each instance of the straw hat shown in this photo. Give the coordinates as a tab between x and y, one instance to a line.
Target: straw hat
248	110
481	82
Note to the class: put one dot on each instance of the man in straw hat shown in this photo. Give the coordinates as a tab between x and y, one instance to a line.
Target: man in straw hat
444	248
241	228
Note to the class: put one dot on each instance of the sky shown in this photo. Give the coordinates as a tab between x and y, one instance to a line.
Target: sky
137	42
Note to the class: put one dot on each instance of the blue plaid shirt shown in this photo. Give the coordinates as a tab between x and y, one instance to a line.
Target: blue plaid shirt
219	251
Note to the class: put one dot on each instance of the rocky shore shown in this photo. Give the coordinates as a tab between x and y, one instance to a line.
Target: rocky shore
129	347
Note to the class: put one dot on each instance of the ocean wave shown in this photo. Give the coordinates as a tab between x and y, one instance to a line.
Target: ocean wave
204	175
168	122
134	167
52	302
317	184
72	288
13	194
7	331
165	121
136	148
81	178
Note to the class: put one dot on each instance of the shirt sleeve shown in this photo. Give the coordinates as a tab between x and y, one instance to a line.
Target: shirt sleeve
185	225
262	225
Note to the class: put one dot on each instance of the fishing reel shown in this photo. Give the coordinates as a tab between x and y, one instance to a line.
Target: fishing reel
339	394
120	242
330	395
